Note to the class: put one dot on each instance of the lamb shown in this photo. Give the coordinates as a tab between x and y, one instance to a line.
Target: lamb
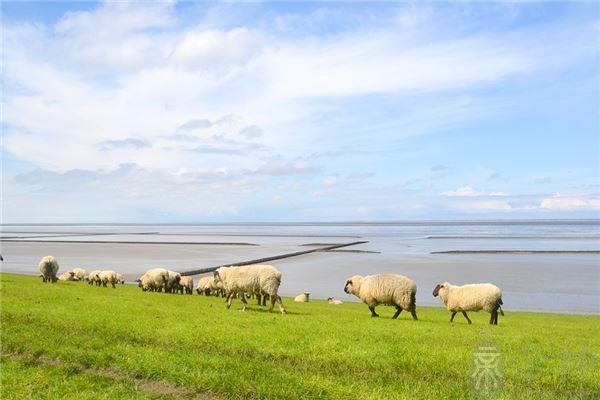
387	289
186	283
250	279
331	300
154	280
79	273
93	277
49	268
208	286
67	276
106	277
173	282
474	297
302	298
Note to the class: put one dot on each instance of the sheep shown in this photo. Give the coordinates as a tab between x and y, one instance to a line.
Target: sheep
186	283
173	282
79	273
302	298
106	277
120	279
93	277
208	286
154	280
251	279
67	276
387	289
49	268
331	300
473	297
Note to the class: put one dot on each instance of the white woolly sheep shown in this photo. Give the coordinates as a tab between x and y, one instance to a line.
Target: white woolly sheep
474	297
120	279
207	286
49	268
93	277
250	279
67	276
386	289
186	283
331	300
154	280
79	273
302	298
107	277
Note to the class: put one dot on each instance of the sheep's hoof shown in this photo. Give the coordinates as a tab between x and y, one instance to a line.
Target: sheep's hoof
374	315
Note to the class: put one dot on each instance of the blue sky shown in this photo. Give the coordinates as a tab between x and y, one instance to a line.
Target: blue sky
224	112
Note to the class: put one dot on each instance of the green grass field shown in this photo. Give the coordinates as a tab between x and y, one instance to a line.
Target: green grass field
71	340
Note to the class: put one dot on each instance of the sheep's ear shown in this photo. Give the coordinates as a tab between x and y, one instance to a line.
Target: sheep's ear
349	282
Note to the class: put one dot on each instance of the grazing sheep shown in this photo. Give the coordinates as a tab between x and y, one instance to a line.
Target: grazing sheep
108	277
331	300
474	297
173	282
93	277
387	289
154	280
186	283
302	298
250	279
120	279
67	276
49	268
79	273
207	286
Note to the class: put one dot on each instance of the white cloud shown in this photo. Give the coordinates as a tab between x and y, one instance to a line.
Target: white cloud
560	202
468	191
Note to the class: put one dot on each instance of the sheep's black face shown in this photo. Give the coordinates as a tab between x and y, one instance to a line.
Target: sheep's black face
436	291
348	282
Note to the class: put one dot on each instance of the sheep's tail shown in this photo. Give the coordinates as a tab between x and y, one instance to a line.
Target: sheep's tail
499	304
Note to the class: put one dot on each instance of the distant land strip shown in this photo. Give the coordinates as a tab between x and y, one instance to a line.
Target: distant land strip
267	259
81	233
58	234
513	237
128	242
517	252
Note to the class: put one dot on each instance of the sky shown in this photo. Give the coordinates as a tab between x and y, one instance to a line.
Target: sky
282	111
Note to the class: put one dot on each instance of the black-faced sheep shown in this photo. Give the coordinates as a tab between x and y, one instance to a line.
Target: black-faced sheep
79	273
154	280
474	297
49	268
250	279
386	289
302	298
186	283
107	277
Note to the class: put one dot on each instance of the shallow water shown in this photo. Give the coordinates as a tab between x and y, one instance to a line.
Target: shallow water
566	282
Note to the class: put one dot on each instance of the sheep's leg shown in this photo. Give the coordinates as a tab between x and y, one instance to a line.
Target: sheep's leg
399	310
265	298
113	284
276	298
467	317
258	299
373	313
413	312
229	299
452	317
245	303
